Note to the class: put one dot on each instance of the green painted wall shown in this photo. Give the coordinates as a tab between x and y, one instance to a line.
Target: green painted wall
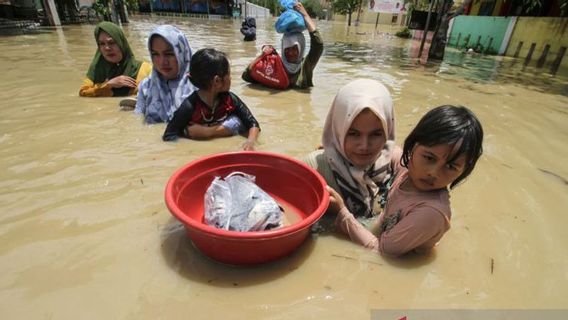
482	28
541	32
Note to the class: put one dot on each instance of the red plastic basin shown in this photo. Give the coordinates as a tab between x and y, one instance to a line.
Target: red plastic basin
295	186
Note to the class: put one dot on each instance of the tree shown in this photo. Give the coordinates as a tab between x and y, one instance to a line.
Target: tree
439	39
313	7
535	7
346	7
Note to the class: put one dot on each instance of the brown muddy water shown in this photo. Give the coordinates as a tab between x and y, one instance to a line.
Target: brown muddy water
85	233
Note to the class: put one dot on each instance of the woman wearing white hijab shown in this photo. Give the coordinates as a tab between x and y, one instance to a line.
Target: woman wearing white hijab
161	94
358	143
300	70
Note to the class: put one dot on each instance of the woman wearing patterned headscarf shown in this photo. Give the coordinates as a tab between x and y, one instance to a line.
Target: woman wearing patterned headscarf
114	71
300	70
358	143
161	94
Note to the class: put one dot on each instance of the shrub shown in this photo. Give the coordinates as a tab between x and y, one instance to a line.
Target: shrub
404	33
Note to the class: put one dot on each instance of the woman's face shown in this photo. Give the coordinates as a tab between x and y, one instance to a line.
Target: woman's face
109	48
292	54
365	139
164	58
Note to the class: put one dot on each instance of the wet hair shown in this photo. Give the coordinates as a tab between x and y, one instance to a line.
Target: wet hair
205	65
451	125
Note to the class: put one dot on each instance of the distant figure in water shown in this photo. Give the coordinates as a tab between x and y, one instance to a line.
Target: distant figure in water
248	29
299	69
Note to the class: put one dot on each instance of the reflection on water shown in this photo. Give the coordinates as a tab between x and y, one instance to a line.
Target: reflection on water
498	70
380	54
84	231
473	67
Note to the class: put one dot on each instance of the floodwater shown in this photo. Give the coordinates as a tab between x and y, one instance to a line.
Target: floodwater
85	233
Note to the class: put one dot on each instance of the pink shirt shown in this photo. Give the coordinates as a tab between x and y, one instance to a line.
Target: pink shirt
412	220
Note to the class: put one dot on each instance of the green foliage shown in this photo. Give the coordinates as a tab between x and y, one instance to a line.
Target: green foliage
417	4
132	5
530	5
404	33
101	7
345	6
534	6
313	7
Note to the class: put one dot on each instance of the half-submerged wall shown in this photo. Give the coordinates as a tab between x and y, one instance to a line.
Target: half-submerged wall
485	33
540	39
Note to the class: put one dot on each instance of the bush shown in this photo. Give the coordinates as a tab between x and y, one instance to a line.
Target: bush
404	33
313	7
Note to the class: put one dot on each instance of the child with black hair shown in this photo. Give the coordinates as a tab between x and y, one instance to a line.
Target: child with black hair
212	111
440	152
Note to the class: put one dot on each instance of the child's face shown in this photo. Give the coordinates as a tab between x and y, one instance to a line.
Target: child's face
429	169
365	139
109	48
164	58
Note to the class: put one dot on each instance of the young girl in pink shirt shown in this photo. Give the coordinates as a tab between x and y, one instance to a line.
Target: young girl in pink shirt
440	152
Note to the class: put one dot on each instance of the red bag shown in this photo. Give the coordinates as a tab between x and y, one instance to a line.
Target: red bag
269	69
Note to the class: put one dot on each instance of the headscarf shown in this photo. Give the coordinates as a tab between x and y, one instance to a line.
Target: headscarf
290	40
101	70
359	188
160	98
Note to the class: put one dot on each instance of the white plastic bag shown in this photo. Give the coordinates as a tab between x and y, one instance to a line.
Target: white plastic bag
237	203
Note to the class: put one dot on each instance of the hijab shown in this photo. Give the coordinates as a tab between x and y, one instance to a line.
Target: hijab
359	187
290	40
161	98
101	70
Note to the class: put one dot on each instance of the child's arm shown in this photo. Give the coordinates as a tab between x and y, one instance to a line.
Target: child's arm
248	120
251	140
417	231
178	126
347	224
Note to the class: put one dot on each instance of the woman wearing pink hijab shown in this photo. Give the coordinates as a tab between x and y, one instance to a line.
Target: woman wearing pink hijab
358	144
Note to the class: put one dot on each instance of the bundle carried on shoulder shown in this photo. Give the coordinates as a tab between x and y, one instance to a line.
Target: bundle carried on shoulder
290	20
248	29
